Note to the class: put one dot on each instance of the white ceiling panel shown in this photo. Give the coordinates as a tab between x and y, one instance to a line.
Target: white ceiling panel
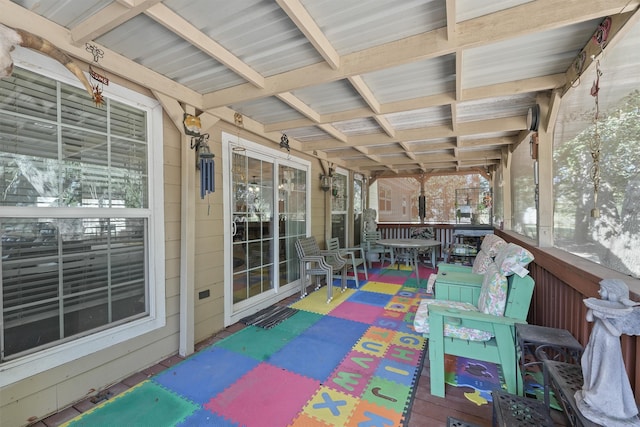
371	84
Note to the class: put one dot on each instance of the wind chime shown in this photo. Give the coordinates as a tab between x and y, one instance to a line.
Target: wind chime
600	38
204	156
100	80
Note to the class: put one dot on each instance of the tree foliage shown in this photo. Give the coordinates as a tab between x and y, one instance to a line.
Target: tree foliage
614	235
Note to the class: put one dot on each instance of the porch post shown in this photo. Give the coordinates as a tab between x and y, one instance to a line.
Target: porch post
545	172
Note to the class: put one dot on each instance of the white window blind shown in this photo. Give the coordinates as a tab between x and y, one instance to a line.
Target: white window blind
75	245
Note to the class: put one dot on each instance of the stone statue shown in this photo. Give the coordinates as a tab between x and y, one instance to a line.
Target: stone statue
606	397
369	216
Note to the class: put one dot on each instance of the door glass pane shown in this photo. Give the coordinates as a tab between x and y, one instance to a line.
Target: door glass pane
253	224
339	198
292	219
358	205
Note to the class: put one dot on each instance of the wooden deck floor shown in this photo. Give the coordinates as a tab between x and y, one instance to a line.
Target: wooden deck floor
426	410
432	411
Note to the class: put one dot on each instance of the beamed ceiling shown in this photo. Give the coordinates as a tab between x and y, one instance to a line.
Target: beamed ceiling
383	87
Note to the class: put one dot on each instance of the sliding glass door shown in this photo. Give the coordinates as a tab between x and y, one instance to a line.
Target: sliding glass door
266	213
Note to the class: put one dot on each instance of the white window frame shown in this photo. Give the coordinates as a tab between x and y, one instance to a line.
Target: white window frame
18	369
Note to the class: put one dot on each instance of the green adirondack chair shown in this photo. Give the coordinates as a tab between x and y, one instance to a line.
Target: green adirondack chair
501	349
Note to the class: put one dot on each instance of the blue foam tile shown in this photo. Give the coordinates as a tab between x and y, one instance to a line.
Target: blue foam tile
311	357
336	330
397	372
202	417
205	374
371	298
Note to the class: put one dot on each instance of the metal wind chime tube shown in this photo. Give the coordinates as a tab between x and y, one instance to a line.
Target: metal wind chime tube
207	172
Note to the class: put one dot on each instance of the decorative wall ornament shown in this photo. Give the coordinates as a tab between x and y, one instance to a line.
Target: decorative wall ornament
10	38
101	80
284	142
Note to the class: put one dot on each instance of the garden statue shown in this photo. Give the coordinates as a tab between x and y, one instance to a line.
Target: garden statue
369	216
606	397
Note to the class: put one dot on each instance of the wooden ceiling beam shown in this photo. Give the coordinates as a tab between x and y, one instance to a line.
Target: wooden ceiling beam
509	23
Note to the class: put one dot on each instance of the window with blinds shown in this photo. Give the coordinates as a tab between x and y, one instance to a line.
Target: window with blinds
74	217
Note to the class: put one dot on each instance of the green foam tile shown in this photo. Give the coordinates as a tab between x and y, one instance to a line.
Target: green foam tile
257	343
145	404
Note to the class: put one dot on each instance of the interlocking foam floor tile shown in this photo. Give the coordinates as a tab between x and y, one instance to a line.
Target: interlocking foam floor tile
398	372
371	298
387	394
303	320
202	417
369	414
372	347
311	357
378	334
357	312
414	341
335	330
145	404
267	395
396	277
330	406
205	374
411	356
304	420
380	287
353	373
258	343
316	302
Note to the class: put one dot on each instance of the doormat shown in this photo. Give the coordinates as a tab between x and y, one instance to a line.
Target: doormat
353	362
269	317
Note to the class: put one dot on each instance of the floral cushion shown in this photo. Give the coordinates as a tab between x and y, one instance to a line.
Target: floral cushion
491	244
421	321
493	293
513	259
481	262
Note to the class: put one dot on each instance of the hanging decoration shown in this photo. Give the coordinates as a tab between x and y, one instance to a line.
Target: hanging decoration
207	170
596	144
284	142
100	80
238	120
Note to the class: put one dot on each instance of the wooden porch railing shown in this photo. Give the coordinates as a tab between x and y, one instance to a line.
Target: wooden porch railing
562	282
444	233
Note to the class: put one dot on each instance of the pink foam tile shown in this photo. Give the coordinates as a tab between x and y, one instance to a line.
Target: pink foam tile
358	312
390	278
265	394
353	373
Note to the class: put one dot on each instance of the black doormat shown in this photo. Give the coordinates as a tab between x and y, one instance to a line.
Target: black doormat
269	317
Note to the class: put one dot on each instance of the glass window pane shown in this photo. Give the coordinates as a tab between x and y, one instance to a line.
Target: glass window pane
524	220
612	236
63	276
30	94
129	177
78	109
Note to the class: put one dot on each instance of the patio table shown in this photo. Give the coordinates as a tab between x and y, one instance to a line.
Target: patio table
414	245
